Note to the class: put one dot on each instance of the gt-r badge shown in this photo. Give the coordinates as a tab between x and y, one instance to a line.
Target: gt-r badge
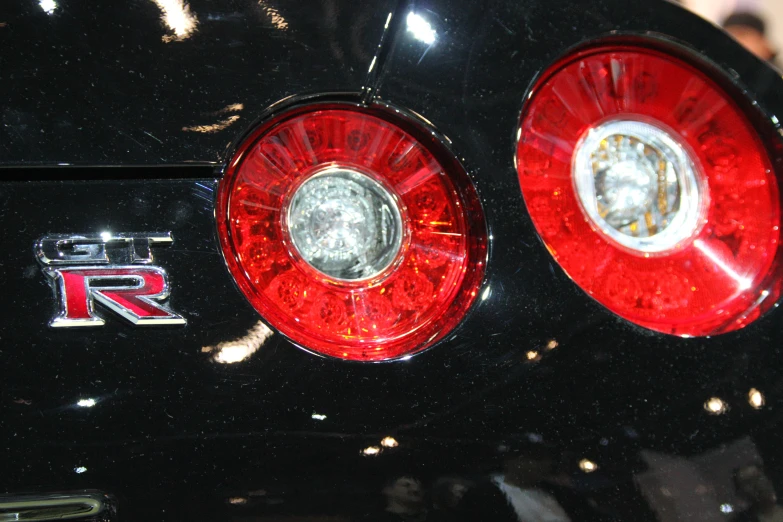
114	270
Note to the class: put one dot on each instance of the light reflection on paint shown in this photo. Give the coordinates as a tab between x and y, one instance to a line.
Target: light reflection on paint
716	406
371	451
421	29
274	16
231	352
49	6
176	15
214	127
221	124
756	399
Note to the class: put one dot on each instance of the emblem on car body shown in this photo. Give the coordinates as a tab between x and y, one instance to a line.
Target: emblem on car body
114	270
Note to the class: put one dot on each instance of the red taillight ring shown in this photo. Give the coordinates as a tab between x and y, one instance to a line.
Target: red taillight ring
651	188
350	235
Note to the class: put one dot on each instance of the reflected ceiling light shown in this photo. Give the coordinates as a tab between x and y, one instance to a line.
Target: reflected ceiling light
588	466
178	18
214	127
726	508
371	451
49	6
237	501
532	355
421	29
551	345
716	406
756	398
318	416
274	16
86	403
389	442
234	107
80	469
231	352
220	124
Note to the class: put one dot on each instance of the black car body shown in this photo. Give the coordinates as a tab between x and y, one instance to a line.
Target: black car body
113	120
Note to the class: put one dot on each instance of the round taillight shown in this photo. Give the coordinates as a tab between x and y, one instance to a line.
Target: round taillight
349	236
650	187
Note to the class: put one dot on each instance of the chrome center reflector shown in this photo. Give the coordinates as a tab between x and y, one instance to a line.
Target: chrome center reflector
345	224
637	184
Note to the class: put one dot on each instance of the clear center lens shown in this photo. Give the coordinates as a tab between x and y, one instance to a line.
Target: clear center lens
345	224
637	184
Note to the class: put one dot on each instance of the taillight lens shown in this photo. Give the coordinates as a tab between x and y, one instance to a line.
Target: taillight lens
652	190
349	236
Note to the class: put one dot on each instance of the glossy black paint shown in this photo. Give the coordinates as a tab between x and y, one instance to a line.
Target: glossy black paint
96	83
176	436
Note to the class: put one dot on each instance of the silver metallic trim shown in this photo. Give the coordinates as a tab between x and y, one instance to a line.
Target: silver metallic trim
104	254
95	293
79	249
54	507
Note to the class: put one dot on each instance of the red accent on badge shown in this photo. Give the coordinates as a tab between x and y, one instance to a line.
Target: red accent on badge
130	291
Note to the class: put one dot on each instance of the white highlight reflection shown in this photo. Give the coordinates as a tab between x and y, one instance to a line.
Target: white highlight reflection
716	406
274	16
318	416
49	6
371	451
588	466
389	442
86	403
231	352
80	469
421	29
743	282
214	127
178	18
756	399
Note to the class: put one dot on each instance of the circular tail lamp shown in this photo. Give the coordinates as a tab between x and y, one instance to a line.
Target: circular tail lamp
349	236
652	190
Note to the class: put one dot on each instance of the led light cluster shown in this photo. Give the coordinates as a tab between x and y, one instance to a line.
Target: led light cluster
652	190
349	236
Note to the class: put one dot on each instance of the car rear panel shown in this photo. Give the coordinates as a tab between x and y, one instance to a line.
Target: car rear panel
146	126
